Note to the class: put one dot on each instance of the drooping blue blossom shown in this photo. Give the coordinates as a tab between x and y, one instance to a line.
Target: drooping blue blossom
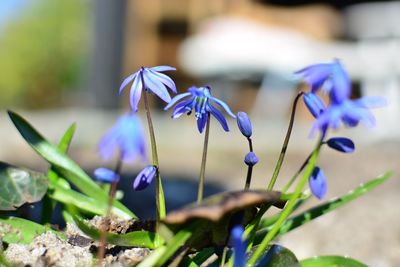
154	81
349	112
106	175
341	144
201	100
244	124
317	183
239	246
127	137
332	77
314	104
144	178
251	159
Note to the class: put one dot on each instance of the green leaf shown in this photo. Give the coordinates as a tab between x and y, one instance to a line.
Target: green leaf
331	261
18	230
19	186
331	205
132	239
63	165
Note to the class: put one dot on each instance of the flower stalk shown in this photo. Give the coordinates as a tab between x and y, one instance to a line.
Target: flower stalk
203	161
285	143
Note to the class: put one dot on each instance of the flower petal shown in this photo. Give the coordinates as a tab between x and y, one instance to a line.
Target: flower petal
314	104
201	122
220	117
162	68
224	106
165	80
371	102
244	124
175	99
126	81
156	86
135	93
317	183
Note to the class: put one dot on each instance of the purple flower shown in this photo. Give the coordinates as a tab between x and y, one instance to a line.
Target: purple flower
239	246
251	159
331	77
317	183
314	104
127	137
348	112
244	124
153	80
341	144
201	100
144	178
106	175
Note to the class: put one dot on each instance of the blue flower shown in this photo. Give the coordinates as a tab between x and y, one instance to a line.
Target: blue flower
201	100
239	246
317	183
244	124
127	137
106	175
331	77
314	104
349	112
153	80
144	178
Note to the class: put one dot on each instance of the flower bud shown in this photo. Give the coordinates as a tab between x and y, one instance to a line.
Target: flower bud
314	104
144	178
106	175
244	124
251	159
341	144
317	183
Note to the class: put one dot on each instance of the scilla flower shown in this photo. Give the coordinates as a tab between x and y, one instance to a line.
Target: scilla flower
201	100
244	124
126	136
330	76
151	80
106	175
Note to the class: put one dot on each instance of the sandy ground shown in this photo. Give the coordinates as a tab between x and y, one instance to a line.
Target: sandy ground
368	229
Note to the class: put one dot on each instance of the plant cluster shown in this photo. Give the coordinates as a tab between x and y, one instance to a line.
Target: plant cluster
228	229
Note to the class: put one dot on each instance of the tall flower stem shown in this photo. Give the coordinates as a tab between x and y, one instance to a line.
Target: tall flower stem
285	143
103	231
250	168
288	208
203	161
160	201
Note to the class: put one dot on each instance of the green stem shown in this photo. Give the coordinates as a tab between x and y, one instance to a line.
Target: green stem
285	143
288	209
223	258
203	161
291	181
160	200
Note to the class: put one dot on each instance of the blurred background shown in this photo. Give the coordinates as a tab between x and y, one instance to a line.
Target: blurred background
63	62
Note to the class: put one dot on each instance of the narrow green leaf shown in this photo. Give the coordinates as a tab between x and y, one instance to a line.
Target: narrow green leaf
63	165
18	230
331	261
315	212
331	205
132	239
19	186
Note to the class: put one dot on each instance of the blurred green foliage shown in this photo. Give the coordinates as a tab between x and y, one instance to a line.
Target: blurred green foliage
44	52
